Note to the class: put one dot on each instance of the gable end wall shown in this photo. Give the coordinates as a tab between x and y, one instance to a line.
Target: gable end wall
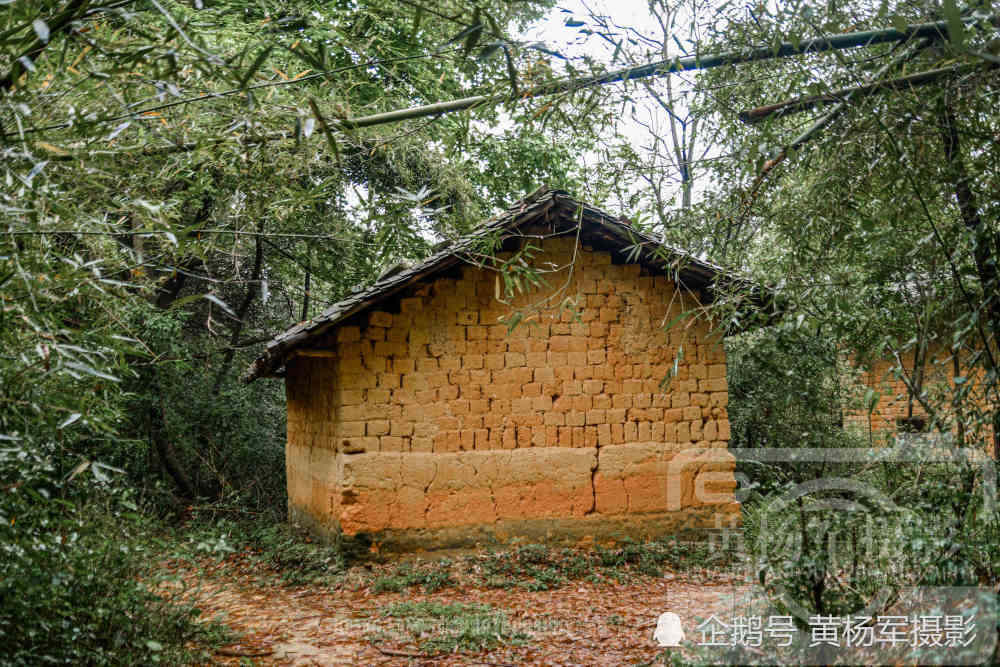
431	425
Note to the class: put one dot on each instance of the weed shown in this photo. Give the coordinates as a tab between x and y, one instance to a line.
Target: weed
432	578
447	628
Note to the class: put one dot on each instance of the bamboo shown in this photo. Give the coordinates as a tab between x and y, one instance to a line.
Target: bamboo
661	68
800	104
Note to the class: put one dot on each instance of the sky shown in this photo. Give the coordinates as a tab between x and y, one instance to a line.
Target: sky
568	40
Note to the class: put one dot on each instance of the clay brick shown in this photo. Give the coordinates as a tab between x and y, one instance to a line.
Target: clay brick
696	430
388	380
467	441
579	436
658	431
514	359
578	360
723	429
555	419
559	344
576	418
712	385
565	436
717	371
604	435
348	334
557	359
597	417
661	400
411	305
352	429
425	396
471	421
616	416
447	423
632	386
391	443
720	399
683	432
450	363
590	436
541	403
377	427
681	400
374	333
670	433
673	415
645	431
466	317
351	397
593	387
494	361
621	401
631	432
544	375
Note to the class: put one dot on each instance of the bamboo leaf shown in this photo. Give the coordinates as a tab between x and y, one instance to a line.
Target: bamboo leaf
255	67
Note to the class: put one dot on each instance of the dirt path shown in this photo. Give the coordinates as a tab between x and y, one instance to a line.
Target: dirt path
582	623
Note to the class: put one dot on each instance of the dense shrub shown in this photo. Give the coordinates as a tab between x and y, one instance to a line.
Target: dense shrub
71	590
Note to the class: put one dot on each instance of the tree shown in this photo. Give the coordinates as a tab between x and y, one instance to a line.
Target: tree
179	188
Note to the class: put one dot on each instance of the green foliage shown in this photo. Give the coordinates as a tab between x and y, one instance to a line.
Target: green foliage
179	189
72	581
267	546
448	628
432	577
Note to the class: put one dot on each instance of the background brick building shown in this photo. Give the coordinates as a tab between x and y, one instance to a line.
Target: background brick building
417	419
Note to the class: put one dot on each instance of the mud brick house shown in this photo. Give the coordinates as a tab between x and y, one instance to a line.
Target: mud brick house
896	409
418	419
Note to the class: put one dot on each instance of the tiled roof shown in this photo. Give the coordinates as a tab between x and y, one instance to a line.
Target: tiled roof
700	272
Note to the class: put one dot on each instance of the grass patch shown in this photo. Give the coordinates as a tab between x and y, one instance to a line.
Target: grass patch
537	567
295	559
431	577
437	627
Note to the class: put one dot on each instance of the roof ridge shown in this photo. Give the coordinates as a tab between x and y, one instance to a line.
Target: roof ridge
391	281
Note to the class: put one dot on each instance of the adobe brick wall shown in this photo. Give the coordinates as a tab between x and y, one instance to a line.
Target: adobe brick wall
893	401
432	425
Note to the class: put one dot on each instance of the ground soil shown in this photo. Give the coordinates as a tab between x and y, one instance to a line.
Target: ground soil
582	623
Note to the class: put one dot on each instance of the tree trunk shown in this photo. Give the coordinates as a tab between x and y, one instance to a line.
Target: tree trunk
985	247
165	450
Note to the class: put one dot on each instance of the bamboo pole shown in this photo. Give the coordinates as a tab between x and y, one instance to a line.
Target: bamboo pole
865	38
799	104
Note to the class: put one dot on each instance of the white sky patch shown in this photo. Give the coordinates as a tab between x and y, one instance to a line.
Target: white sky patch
639	122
